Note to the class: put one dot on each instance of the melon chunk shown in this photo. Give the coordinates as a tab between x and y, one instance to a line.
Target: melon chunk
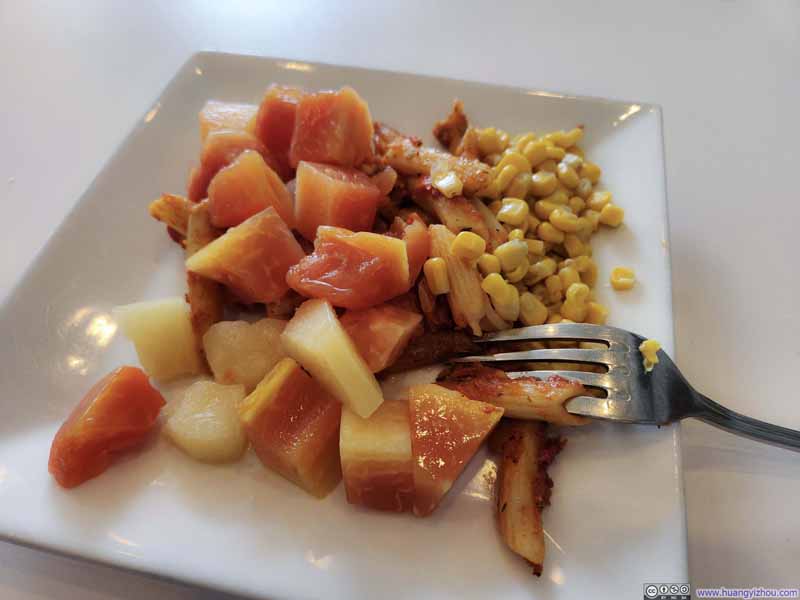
226	115
161	331
242	352
315	338
252	258
274	124
245	187
376	458
293	424
332	127
381	333
447	428
339	196
204	423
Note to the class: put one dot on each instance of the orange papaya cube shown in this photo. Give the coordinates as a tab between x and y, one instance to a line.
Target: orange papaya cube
333	127
115	415
274	124
220	149
293	425
381	333
338	196
252	258
376	458
447	428
352	270
414	232
226	115
245	187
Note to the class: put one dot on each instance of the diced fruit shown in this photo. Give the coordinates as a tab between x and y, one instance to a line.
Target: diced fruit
242	352
205	422
274	124
352	270
446	430
414	233
245	187
219	150
162	332
115	415
332	127
315	338
376	458
251	258
226	115
293	424
381	333
339	196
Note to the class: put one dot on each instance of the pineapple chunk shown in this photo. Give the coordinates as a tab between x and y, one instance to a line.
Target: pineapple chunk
376	457
315	338
205	422
242	352
162	332
293	425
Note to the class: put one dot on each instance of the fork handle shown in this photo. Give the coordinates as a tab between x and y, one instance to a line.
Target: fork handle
715	414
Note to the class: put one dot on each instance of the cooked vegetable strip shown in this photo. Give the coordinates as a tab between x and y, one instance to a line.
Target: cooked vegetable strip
522	398
458	213
171	210
450	130
205	296
466	296
407	158
523	487
496	232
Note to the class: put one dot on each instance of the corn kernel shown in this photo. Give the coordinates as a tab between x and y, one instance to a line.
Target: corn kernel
567	175
564	220
436	276
544	208
489	263
589	274
498	204
490	140
558	197
540	291
510	157
468	245
554	288
535	247
581	263
516	234
577	150
612	215
448	184
598	200
554	318
555	152
568	275
517	274
584	189
521	287
493	159
649	350
622	278
533	223
512	254
584	229
535	152
591	171
548	233
519	186
540	270
548	166
578	292
505	173
575	306
596	313
576	204
573	160
593	217
573	245
519	141
570	138
531	309
507	303
514	211
493	284
543	183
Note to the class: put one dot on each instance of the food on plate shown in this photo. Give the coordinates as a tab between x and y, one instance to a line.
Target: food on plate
316	339
523	486
114	416
333	195
171	210
333	127
217	115
622	278
293	425
246	187
161	331
204	423
381	333
274	124
649	350
521	397
252	259
414	232
239	352
376	458
446	430
352	269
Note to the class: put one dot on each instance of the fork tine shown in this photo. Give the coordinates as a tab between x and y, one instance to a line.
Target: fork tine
605	357
612	409
581	331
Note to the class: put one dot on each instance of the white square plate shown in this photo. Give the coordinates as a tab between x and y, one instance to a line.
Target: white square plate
617	514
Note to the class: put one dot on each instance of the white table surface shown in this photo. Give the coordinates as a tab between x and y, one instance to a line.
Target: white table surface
75	77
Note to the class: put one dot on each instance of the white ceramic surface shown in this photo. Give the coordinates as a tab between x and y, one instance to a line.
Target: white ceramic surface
618	501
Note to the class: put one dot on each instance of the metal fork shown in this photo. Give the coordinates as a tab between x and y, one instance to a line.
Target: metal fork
659	397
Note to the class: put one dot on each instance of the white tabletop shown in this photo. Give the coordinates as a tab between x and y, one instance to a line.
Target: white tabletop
76	77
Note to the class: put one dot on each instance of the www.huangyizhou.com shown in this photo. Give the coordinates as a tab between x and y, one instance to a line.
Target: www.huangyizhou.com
747	593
